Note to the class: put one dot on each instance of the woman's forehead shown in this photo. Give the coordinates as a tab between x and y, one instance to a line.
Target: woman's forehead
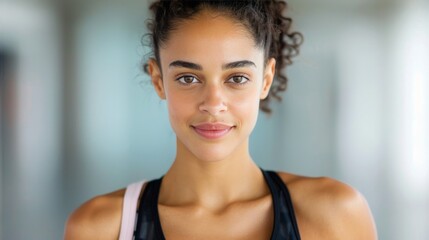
210	36
210	22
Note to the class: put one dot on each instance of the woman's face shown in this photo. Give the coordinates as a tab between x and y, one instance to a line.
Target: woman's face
212	76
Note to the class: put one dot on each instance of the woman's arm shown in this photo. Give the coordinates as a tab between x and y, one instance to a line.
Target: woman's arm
98	218
351	216
328	209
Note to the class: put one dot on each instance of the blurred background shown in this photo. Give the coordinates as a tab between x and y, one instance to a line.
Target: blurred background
79	118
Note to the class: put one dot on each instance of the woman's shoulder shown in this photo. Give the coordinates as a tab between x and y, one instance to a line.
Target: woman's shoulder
329	209
98	218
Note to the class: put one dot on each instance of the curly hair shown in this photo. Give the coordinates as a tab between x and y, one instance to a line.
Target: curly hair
262	18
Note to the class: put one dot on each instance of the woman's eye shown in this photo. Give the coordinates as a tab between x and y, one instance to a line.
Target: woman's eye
187	80
238	79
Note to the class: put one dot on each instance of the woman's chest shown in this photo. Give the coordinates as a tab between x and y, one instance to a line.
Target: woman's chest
242	221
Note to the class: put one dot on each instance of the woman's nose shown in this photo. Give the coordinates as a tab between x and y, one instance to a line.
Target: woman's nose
213	101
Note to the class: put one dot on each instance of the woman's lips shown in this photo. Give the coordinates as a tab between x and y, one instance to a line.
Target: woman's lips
212	130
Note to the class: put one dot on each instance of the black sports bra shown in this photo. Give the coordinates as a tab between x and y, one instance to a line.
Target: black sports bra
148	226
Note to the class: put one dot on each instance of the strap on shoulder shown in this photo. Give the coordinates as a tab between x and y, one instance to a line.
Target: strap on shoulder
129	208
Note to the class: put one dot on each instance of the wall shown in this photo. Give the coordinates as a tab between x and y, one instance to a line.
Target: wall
88	121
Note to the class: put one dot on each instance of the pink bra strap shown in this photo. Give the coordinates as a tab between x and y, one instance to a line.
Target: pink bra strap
129	209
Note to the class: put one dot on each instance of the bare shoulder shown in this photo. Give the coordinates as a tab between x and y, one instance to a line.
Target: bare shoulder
329	209
98	218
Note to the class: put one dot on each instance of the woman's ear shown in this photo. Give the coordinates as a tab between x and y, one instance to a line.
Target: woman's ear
269	73
156	77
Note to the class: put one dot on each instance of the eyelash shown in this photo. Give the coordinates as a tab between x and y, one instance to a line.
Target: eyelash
181	79
247	80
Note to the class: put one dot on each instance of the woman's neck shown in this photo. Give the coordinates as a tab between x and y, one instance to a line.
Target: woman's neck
212	185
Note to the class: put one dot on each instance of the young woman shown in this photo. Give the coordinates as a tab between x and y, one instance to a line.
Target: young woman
216	63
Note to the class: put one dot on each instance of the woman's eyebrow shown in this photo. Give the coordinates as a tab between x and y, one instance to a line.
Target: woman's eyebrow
239	64
185	64
190	65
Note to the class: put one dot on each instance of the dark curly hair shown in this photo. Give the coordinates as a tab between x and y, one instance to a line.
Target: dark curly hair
262	18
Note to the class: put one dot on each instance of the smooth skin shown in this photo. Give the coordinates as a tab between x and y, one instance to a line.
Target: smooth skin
211	72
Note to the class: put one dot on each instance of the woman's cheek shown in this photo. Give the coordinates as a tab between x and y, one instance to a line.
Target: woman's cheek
181	106
245	107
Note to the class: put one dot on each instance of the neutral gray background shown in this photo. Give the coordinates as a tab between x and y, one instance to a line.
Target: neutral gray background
85	121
